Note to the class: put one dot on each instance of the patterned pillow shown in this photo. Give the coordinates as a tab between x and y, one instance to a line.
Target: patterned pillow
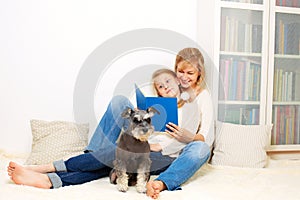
241	145
56	140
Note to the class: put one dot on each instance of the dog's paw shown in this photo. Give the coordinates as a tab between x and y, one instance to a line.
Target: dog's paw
141	188
122	187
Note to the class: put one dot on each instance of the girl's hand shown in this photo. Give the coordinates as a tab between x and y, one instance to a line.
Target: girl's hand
181	134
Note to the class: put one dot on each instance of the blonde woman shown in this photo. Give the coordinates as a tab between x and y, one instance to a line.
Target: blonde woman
190	70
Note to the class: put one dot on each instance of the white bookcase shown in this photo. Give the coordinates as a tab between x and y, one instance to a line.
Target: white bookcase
257	51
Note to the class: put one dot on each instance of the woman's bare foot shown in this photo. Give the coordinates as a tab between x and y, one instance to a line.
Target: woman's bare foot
37	168
154	188
41	168
22	176
10	170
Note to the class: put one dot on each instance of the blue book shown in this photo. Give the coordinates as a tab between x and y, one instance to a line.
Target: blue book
166	106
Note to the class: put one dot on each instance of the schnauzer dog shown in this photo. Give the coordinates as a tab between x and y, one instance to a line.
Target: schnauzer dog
132	162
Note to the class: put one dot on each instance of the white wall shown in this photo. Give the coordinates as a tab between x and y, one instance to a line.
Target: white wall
43	45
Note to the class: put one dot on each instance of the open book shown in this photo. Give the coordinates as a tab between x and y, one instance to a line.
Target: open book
166	106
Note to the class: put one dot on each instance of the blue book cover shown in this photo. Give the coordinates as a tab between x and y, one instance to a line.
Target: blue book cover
166	106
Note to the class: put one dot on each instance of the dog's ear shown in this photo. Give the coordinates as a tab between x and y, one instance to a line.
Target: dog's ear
151	111
127	112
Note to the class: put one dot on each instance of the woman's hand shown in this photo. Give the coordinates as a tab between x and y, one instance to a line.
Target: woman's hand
155	147
181	134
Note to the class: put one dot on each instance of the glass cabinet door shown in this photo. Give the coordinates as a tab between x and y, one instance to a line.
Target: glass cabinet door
286	79
240	65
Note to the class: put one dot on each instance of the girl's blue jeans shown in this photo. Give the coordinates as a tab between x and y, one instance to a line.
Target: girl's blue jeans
98	163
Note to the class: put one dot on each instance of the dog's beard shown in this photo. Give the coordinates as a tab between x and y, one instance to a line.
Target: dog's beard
141	135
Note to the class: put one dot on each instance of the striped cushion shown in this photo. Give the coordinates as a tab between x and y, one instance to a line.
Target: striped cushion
241	145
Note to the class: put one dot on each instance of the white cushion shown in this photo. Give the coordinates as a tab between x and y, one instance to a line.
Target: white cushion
56	140
241	145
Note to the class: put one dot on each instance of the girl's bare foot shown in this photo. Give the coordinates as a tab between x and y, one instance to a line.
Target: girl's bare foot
37	168
22	176
154	188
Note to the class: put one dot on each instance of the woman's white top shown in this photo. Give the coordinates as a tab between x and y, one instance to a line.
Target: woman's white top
197	117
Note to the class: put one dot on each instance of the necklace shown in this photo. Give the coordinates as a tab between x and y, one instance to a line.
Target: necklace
190	94
185	96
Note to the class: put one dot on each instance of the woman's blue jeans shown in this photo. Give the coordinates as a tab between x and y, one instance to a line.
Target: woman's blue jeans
98	163
110	125
193	156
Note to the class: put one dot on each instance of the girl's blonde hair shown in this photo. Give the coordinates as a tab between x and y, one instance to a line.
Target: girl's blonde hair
159	72
194	57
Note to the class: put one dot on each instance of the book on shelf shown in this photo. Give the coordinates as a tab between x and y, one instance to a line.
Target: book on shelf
255	87
290	86
233	84
240	79
275	85
296	84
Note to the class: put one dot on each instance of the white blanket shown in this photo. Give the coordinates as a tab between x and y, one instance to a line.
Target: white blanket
280	180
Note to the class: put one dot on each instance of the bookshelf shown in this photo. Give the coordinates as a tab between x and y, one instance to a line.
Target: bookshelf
257	54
